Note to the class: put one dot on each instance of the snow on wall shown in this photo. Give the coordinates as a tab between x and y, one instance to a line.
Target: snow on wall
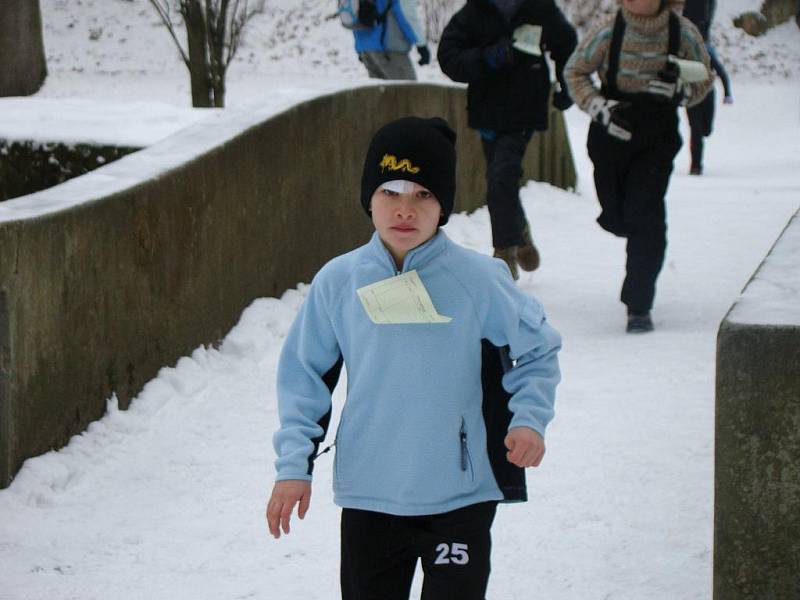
74	121
772	296
214	128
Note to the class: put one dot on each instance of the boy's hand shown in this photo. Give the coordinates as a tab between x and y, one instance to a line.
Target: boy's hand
525	447
285	494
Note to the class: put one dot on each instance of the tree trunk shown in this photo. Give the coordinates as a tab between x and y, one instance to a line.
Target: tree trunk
199	73
217	17
23	66
219	90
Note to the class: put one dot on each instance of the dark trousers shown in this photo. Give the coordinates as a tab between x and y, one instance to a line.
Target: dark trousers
380	553
701	124
503	156
631	180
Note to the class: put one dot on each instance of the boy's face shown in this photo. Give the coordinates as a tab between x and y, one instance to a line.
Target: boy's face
406	219
644	8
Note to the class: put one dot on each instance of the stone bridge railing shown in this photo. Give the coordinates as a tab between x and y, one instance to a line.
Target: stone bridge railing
757	479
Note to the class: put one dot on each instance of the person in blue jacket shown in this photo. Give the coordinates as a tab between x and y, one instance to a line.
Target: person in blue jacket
451	377
384	47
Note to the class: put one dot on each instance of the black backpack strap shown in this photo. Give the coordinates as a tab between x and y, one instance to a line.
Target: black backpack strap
382	16
613	55
674	33
382	21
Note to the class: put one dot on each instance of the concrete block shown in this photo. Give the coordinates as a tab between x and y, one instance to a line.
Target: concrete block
757	453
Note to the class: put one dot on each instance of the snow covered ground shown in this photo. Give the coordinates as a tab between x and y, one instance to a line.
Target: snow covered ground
165	500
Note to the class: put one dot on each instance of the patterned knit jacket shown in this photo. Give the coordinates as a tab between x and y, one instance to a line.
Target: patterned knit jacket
643	53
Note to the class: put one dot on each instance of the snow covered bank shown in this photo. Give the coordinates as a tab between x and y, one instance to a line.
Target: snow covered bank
73	121
194	133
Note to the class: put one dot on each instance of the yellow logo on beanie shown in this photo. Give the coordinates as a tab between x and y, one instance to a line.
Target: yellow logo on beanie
389	161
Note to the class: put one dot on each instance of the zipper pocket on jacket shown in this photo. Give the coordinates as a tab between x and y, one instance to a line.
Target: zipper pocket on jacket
466	460
337	459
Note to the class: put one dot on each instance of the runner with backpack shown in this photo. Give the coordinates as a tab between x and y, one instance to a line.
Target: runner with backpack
384	32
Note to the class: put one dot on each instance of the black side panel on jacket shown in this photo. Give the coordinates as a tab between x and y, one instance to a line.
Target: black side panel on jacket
331	378
510	478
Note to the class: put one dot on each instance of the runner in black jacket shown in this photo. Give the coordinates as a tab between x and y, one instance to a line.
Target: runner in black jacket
701	13
701	116
507	100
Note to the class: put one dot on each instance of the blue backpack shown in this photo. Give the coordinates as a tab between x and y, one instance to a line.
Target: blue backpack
361	14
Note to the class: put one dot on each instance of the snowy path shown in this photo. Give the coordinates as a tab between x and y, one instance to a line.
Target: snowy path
165	501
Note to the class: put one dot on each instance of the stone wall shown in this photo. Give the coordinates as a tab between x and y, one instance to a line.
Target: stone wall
757	464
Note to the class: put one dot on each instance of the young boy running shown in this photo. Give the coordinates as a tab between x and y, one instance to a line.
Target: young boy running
634	137
429	440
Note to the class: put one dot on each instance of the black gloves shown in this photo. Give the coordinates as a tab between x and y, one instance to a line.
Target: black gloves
499	55
561	99
424	55
603	112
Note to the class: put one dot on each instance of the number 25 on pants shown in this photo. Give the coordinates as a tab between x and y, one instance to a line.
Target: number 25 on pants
454	553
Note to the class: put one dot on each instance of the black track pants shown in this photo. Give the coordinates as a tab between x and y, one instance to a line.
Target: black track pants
503	173
631	180
380	553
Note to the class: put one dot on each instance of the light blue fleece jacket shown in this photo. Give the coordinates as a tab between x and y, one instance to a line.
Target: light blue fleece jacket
412	439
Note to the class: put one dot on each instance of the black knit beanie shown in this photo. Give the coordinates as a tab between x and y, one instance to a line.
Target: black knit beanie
413	149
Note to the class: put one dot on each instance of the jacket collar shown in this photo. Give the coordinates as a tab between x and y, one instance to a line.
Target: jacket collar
508	8
647	25
502	6
416	258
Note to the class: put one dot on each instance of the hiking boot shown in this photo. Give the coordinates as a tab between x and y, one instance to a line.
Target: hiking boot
527	254
510	256
639	322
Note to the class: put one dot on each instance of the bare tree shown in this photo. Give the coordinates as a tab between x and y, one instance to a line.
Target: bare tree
213	31
23	67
